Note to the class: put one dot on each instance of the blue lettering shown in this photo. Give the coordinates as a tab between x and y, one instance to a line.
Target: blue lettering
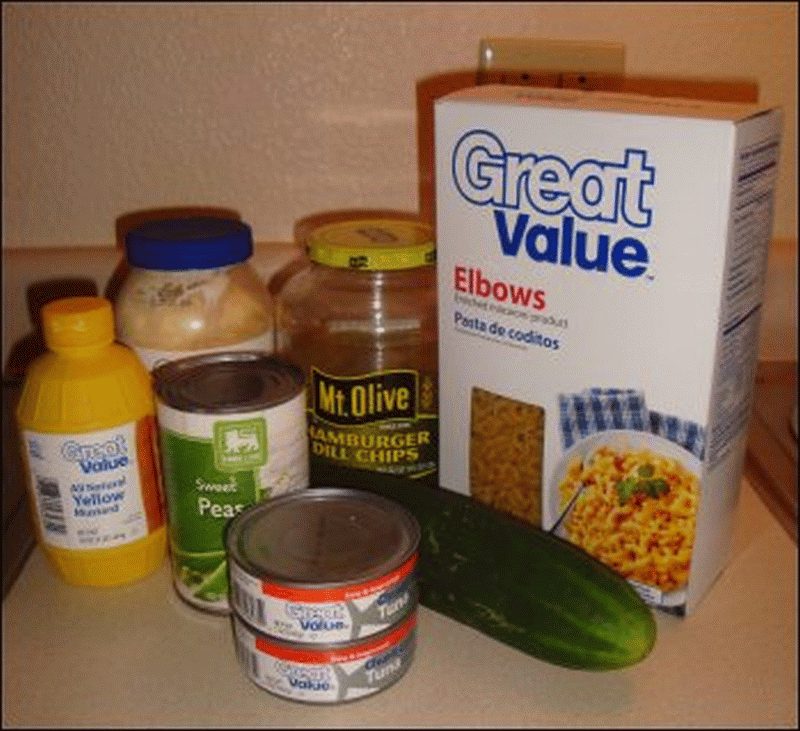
98	498
309	684
317	625
567	246
485	173
611	191
549	252
77	452
104	464
582	259
509	245
629	257
392	594
374	662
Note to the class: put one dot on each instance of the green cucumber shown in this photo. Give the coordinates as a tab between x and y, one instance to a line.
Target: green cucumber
512	581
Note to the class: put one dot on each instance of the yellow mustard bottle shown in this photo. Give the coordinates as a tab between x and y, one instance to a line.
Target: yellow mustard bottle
86	418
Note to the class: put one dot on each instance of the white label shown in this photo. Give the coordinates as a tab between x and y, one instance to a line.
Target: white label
324	616
742	291
87	488
153	358
601	263
325	675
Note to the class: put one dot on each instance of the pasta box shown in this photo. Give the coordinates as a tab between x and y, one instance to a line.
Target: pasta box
601	264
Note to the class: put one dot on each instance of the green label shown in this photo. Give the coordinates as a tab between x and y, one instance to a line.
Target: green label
240	445
366	399
206	483
379	421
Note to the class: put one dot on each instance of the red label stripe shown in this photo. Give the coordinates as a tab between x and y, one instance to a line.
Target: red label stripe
370	648
278	591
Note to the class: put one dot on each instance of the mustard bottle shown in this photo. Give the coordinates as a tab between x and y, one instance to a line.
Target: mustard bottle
86	418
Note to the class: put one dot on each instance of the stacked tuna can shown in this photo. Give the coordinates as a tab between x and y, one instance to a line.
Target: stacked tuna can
323	593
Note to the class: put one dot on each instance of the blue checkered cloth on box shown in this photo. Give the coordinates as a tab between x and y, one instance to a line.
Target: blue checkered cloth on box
598	409
686	433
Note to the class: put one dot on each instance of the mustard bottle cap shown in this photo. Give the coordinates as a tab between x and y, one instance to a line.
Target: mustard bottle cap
75	322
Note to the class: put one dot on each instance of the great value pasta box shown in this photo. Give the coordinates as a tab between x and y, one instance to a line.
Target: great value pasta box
601	264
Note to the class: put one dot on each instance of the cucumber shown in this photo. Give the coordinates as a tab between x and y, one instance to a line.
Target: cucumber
512	581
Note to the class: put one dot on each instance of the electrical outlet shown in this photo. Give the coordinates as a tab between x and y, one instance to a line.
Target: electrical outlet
543	62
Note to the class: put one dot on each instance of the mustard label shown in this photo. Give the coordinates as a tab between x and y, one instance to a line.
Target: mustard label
87	488
383	421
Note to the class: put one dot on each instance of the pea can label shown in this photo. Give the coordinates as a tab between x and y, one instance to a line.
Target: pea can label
215	465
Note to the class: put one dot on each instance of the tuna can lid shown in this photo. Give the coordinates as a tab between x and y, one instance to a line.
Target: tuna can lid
373	244
228	382
323	537
202	242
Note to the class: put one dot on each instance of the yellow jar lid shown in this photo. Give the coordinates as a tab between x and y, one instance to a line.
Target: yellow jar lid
77	322
373	244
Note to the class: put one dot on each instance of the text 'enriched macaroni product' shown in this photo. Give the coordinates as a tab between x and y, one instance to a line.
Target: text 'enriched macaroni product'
601	262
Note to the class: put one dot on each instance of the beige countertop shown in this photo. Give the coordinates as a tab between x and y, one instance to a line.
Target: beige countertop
772	446
137	656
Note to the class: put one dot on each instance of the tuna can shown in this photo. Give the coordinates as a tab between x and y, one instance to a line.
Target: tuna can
232	431
324	566
326	673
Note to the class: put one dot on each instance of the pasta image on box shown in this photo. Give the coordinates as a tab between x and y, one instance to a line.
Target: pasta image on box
505	454
601	264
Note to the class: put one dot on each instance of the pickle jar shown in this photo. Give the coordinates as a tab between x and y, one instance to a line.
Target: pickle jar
191	289
360	319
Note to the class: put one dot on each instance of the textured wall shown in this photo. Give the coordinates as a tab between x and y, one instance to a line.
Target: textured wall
282	110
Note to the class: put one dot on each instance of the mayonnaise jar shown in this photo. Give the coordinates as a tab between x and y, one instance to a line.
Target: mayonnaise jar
191	289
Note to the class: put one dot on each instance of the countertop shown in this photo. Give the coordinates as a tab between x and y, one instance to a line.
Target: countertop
771	464
138	656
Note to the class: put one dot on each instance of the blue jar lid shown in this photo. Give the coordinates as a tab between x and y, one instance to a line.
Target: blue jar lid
189	243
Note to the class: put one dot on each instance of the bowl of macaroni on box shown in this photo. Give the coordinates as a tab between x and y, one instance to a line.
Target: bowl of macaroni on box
601	265
629	498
